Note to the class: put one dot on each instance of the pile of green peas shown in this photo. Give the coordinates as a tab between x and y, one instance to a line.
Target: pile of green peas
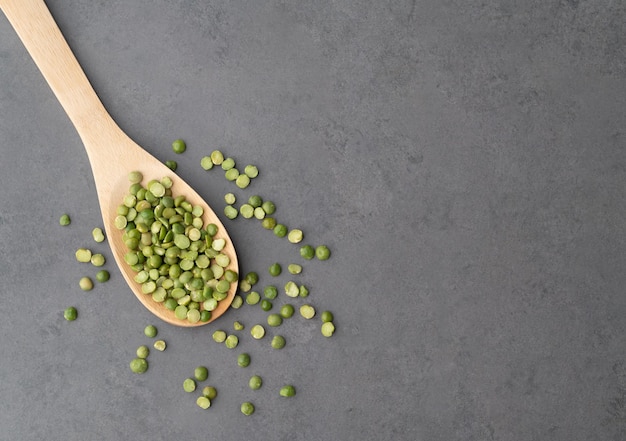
179	262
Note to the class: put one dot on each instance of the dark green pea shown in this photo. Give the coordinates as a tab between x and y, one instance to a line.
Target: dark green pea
70	314
243	360
307	252
275	269
179	146
266	305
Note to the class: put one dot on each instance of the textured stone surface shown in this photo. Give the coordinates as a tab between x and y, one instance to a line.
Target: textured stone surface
465	161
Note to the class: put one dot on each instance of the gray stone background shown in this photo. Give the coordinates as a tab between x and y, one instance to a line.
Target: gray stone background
464	160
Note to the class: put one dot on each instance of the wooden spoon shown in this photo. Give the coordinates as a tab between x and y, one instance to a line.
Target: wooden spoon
112	154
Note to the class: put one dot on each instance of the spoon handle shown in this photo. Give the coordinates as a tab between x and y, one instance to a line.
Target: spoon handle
42	38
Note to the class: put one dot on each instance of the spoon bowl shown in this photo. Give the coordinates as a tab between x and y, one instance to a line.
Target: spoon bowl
112	154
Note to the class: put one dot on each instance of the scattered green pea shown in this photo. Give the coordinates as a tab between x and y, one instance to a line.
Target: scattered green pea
243	360
230	198
278	342
266	305
322	252
230	212
257	332
139	365
287	310
268	207
255	201
280	230
232	175
270	292
172	165
238	326
189	385
219	336
294	268
247	211
237	302
102	276
274	320
201	373
70	314
307	311
179	146
287	391
247	408
303	291
259	213
97	260
295	236
327	316
269	223
217	157
251	171
203	402
307	252
160	345
210	392
242	181
83	255
253	298
85	284
275	269
228	163
292	289
65	220
97	234
255	382
206	163
143	351
150	331
328	329
231	341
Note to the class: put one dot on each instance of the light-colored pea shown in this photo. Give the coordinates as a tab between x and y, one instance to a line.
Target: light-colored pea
217	157
231	341
242	181
307	311
230	198
83	255
206	163
189	385
257	332
328	329
251	171
65	220
203	402
294	268
85	284
295	236
292	289
98	234
219	336
97	260
160	345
